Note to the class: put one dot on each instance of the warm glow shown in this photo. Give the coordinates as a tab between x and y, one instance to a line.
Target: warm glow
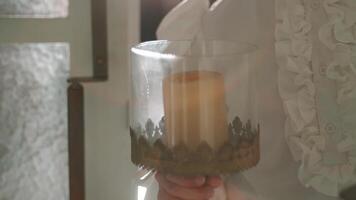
195	109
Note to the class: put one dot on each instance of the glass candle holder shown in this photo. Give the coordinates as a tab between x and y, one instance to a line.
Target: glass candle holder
193	109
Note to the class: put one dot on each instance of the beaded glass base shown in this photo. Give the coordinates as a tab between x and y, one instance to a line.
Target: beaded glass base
240	153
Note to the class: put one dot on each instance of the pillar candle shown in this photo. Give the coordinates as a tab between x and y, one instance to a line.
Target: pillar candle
195	109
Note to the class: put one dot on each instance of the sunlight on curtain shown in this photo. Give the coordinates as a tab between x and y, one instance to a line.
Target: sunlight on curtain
34	8
33	121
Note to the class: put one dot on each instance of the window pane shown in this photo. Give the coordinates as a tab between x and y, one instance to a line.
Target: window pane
34	8
33	122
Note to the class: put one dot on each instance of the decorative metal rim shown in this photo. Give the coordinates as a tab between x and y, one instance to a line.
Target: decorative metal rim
242	152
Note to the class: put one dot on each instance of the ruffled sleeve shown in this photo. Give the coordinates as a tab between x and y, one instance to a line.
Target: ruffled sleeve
296	86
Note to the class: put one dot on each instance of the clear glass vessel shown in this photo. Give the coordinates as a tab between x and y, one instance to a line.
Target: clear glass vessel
193	107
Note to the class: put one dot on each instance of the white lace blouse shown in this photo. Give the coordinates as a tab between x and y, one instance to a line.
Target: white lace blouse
316	53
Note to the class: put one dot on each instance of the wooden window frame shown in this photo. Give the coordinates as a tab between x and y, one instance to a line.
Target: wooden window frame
76	121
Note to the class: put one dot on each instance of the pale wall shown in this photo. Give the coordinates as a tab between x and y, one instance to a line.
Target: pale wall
109	169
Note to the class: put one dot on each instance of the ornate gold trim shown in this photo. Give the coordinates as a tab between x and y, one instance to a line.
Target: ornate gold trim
240	153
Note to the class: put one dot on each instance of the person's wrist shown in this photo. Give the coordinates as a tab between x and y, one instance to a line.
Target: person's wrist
179	187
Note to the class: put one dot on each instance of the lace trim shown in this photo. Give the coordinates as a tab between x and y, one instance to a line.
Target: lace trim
293	51
339	35
323	169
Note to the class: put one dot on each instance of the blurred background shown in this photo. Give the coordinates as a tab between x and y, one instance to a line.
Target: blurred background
43	43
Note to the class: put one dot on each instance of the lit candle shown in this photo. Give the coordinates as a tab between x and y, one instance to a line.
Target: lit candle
195	109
